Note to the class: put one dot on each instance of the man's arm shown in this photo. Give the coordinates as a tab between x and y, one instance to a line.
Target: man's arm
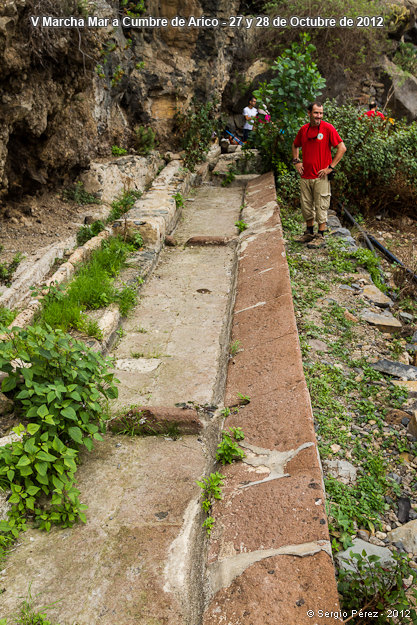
340	150
298	166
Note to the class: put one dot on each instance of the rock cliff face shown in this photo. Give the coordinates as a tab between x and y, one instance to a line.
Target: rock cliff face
69	94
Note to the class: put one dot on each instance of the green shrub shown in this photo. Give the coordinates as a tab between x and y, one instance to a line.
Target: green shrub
144	140
195	128
379	170
57	385
123	204
406	58
132	8
378	589
85	233
116	151
76	193
296	82
7	316
7	269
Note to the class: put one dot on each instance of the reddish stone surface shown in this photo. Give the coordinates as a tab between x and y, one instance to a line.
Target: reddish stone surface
158	420
287	510
277	591
208	240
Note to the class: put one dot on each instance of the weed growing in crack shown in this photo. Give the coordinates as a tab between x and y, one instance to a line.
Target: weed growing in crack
235	347
212	486
228	449
243	399
27	614
241	225
229	177
179	200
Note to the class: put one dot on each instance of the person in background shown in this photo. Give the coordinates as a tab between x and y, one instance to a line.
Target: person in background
249	113
373	110
316	140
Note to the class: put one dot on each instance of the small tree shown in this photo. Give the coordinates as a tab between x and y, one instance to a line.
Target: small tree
286	97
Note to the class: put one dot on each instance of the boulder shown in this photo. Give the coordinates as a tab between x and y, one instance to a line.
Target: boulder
358	546
372	293
341	470
404	101
386	322
6	405
407	372
407	535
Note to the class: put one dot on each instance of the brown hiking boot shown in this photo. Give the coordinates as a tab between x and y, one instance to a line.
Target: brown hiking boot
317	243
306	238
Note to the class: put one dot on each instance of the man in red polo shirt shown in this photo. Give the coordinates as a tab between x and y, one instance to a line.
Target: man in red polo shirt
316	140
373	110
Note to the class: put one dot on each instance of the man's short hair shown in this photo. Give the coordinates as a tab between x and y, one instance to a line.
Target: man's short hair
310	106
372	105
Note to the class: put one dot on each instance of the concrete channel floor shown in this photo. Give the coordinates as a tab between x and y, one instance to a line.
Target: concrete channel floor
130	563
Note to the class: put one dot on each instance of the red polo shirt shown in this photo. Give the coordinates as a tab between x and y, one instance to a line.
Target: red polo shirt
315	144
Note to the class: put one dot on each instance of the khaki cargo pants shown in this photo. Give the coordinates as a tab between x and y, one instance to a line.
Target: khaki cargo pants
315	199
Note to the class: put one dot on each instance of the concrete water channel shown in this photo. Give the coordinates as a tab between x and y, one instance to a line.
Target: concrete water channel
142	558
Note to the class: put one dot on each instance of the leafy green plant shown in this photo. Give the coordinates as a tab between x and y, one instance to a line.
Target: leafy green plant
7	316
195	128
236	433
76	193
296	82
229	177
123	204
179	200
378	588
234	347
241	225
208	524
116	151
228	450
144	140
212	486
7	269
57	385
85	233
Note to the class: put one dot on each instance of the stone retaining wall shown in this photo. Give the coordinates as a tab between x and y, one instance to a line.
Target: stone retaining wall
269	558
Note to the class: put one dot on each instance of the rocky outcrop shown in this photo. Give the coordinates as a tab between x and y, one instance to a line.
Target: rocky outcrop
404	91
70	94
